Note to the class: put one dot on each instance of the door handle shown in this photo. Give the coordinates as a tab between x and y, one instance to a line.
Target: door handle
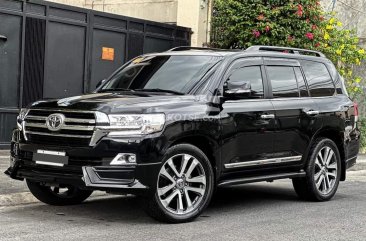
312	112
3	37
270	116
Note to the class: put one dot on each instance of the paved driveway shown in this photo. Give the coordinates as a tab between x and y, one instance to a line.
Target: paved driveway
262	211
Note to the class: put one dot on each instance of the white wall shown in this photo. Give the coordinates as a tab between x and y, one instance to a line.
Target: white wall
195	14
155	10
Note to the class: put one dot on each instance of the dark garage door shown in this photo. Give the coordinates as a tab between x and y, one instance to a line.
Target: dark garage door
10	55
100	67
64	65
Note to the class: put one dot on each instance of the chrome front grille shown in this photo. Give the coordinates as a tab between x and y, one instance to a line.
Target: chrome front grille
77	130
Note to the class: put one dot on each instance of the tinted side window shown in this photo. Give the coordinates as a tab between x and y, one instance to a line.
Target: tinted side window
339	83
251	74
301	83
283	81
318	78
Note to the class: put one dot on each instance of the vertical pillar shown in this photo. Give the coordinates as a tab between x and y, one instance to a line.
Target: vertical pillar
196	14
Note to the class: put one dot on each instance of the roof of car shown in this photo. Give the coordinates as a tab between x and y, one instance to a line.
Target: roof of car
257	50
202	52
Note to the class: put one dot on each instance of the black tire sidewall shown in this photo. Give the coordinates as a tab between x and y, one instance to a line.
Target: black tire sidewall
311	168
45	195
202	158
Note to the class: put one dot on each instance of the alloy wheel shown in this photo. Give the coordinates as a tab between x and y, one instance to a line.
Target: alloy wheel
181	184
325	173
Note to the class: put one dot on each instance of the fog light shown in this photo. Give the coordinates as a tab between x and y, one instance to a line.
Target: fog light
124	159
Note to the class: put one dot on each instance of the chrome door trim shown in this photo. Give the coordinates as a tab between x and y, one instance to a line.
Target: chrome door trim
312	112
268	116
263	162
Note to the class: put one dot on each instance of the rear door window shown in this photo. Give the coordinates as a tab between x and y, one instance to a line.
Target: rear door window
318	78
283	81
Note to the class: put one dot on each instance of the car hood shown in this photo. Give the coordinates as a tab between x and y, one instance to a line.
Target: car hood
116	103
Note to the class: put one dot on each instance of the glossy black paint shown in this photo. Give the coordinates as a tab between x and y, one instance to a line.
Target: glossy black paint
227	130
242	126
294	127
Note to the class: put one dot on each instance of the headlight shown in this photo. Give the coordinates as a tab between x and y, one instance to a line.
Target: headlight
130	124
23	112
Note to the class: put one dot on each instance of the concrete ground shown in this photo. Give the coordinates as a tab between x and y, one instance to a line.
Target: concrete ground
261	211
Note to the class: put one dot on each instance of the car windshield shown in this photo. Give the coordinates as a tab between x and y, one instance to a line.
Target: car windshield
175	74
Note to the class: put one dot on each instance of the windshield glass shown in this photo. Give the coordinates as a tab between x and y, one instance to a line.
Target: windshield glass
174	74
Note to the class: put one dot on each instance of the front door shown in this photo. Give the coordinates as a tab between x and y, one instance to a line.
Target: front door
247	123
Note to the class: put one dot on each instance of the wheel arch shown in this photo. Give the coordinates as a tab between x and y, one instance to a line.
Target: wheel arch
338	138
205	144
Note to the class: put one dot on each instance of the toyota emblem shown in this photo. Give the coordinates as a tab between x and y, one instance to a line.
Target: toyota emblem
55	122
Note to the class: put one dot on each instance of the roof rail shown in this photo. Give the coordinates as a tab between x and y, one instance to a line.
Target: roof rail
281	49
183	48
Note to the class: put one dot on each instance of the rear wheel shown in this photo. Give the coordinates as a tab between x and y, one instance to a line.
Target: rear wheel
322	173
58	195
184	187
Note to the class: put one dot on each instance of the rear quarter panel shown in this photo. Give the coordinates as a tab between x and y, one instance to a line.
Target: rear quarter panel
338	114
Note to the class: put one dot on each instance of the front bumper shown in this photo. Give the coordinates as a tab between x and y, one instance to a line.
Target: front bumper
89	168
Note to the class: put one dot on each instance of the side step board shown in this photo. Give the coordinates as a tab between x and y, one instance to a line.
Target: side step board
272	177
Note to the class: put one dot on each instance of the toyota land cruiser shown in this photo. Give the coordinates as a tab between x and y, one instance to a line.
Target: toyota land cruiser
173	126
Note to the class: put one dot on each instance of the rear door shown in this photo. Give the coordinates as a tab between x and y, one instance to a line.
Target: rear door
336	110
295	112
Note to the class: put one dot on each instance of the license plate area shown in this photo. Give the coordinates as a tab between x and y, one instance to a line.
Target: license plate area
50	158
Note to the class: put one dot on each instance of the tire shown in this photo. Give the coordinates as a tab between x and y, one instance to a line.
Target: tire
194	178
322	178
53	196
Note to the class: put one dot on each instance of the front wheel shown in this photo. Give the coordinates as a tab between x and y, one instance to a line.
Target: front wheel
322	173
58	195
184	185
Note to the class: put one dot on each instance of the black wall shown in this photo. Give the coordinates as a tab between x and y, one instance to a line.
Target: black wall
55	51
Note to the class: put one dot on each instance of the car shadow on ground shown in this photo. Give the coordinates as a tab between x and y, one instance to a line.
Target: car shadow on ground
128	209
252	195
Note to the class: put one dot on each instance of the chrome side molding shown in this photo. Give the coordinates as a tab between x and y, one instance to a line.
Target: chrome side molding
264	162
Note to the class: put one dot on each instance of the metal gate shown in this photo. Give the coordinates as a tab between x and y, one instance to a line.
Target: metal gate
48	50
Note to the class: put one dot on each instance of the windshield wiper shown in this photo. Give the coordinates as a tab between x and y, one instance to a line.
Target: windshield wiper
160	90
115	89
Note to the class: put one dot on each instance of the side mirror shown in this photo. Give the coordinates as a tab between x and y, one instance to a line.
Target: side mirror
100	83
237	89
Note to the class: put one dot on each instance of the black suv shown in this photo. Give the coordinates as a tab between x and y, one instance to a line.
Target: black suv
171	127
